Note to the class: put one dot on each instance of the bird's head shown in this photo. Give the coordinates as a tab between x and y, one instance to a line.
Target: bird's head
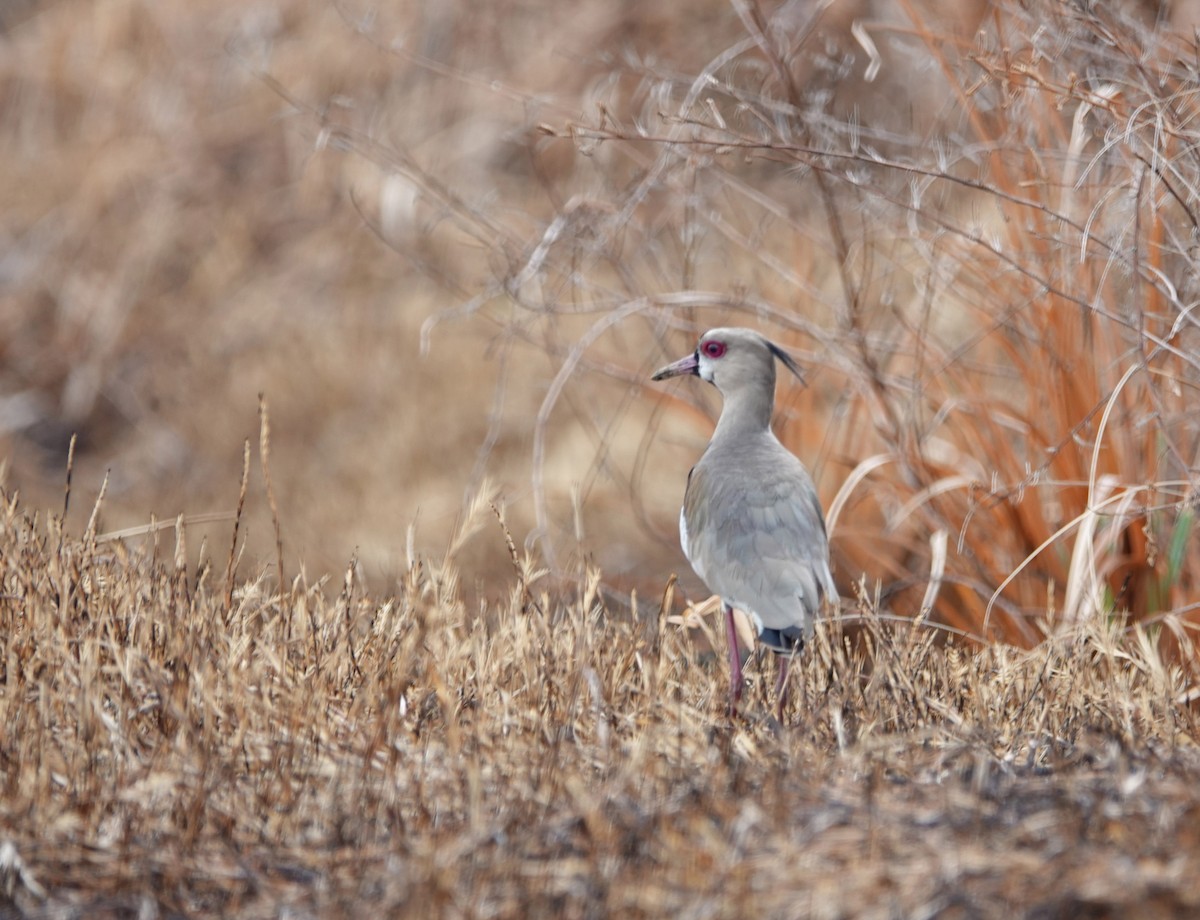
732	359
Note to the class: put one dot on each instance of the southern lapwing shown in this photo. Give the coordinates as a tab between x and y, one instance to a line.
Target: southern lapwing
751	524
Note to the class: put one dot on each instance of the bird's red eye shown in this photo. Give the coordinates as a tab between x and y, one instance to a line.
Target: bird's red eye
713	349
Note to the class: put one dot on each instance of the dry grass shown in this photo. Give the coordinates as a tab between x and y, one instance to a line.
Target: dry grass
329	754
446	243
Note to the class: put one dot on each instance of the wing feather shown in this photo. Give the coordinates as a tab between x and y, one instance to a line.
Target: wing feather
756	535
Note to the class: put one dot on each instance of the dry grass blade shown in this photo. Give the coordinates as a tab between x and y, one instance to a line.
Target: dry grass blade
231	564
264	456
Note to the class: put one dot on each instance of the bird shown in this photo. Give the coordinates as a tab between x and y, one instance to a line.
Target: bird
751	525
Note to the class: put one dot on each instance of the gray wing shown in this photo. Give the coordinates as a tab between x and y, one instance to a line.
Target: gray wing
757	538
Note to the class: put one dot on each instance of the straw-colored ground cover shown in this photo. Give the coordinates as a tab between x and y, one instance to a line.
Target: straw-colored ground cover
169	752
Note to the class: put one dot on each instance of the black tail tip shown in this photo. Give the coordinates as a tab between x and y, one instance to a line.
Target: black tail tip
788	641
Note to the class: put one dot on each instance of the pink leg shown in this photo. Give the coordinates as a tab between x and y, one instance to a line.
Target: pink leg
781	684
735	662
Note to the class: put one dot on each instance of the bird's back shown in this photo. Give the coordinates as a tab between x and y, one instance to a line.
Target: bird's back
753	529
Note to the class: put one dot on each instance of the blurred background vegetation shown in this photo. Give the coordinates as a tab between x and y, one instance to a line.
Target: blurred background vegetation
448	241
